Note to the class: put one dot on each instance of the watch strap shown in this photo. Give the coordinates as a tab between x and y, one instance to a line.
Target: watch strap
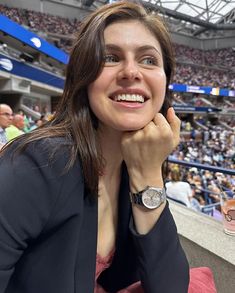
136	198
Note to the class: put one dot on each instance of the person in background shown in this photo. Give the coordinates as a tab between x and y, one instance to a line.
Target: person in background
16	128
36	124
6	116
90	213
179	190
26	121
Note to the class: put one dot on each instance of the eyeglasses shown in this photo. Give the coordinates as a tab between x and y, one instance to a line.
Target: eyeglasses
7	114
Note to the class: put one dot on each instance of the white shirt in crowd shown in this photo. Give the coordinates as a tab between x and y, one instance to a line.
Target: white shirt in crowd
180	191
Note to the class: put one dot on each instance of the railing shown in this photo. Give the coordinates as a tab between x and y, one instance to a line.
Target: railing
202	166
209	207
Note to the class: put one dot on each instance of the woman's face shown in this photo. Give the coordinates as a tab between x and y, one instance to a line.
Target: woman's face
131	87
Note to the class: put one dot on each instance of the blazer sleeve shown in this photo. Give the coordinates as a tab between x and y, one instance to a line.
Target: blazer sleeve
163	267
28	192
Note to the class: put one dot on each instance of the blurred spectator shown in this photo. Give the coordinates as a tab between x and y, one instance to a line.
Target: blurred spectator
181	191
36	124
6	116
16	128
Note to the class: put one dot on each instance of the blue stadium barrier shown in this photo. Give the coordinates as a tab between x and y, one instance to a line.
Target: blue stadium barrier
202	166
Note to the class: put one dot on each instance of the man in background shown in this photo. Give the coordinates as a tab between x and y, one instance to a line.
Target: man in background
16	127
6	116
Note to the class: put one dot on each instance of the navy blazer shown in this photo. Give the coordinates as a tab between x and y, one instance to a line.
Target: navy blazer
48	232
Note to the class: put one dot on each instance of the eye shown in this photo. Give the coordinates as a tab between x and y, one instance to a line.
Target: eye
149	61
110	58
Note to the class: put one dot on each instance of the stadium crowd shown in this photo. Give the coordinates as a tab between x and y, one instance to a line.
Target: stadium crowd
198	100
194	66
218	58
203	76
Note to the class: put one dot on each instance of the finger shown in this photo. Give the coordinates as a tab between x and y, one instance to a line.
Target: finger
174	123
160	120
173	120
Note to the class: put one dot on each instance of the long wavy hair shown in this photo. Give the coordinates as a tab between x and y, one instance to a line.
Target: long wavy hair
73	118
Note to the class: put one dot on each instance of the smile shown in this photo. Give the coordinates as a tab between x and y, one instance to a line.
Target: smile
129	98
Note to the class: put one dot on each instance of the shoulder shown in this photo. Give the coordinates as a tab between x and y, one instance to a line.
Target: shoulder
36	192
45	154
185	184
39	171
168	184
42	146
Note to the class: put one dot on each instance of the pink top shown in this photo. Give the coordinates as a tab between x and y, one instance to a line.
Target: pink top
201	279
103	263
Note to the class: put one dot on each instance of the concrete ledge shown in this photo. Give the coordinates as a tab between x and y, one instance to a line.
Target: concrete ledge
206	244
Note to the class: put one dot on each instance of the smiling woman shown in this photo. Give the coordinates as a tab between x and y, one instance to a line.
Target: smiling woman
90	211
131	87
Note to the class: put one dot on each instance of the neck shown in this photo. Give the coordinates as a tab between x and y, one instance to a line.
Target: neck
111	150
110	180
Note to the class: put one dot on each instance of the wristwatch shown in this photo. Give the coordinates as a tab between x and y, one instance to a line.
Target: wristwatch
150	197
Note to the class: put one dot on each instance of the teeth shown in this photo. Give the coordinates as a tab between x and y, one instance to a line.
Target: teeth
130	98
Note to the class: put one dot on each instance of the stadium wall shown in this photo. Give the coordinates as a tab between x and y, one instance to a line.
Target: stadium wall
219	43
186	40
206	245
205	44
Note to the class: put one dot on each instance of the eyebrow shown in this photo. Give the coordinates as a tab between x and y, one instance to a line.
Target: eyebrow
139	49
6	113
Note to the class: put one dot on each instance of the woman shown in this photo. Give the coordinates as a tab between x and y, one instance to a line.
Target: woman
67	222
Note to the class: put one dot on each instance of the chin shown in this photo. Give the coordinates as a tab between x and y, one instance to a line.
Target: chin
122	125
131	126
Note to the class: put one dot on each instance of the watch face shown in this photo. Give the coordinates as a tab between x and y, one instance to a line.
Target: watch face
151	198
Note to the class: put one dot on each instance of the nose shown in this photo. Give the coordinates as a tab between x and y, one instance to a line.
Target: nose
129	71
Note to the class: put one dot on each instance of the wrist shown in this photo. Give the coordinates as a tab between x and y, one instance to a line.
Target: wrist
138	182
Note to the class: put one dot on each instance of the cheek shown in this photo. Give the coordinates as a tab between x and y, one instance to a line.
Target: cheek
95	89
97	92
93	98
159	99
93	94
92	102
99	84
159	91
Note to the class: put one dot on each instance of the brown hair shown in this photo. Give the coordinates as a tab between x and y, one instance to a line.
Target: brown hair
175	175
73	118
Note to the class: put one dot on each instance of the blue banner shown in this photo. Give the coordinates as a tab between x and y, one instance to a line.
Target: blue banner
26	71
205	90
20	33
191	109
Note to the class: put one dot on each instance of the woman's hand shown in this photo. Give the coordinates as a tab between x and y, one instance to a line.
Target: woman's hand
145	150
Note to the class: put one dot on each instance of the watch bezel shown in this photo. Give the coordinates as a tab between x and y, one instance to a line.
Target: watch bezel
158	196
